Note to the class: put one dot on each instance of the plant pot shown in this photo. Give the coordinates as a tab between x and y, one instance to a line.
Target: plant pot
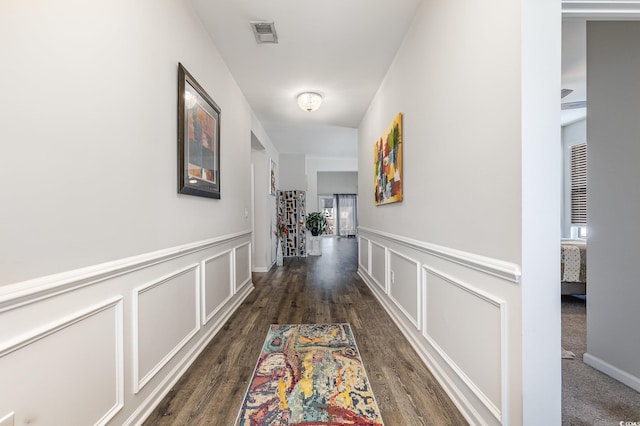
279	260
314	246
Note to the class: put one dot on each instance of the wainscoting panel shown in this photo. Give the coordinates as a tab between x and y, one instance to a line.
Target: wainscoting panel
161	327
404	285
242	256
453	307
458	318
217	284
363	253
44	374
107	342
379	265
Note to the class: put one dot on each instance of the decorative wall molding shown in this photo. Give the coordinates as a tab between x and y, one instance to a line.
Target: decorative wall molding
362	241
459	399
415	321
609	10
498	413
82	290
501	269
239	286
203	284
170	379
49	329
19	294
138	382
385	285
482	396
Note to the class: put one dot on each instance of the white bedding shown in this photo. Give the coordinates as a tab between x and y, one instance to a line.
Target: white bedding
571	259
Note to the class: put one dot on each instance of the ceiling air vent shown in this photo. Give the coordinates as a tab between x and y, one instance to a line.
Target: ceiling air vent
264	31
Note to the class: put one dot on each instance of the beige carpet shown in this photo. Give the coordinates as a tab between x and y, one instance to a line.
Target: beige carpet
590	398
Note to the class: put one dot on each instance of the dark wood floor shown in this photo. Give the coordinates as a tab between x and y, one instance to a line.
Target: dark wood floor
323	289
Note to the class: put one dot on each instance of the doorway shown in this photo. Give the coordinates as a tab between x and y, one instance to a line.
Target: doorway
326	204
341	211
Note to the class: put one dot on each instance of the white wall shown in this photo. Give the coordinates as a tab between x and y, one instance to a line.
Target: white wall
89	103
572	134
470	254
127	281
337	183
574	58
324	164
264	203
442	167
293	173
613	58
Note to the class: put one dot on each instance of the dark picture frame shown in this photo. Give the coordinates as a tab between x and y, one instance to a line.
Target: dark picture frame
198	139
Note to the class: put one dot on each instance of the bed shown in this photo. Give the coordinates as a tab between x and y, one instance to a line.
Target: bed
573	267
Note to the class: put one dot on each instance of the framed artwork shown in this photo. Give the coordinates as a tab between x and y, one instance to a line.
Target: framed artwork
198	139
387	164
272	177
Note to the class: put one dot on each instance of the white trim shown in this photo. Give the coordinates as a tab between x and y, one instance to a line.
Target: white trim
26	292
233	272
119	324
383	286
263	269
155	397
610	370
360	243
235	260
616	10
52	328
499	268
465	407
501	305
203	286
415	321
252	254
139	383
369	256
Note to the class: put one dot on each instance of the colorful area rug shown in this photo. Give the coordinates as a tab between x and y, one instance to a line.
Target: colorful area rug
309	374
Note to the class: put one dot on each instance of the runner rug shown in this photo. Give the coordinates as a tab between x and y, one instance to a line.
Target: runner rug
309	374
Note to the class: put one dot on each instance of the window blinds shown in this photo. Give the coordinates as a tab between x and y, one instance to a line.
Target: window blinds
579	184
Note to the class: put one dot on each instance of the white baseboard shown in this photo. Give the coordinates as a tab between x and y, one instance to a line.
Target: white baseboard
622	376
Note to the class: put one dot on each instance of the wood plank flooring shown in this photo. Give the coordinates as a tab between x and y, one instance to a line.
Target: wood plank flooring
324	289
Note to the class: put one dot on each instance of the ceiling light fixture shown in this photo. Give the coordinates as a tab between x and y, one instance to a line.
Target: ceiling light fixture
309	101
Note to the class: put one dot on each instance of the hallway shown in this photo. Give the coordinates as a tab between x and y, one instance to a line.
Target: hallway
323	289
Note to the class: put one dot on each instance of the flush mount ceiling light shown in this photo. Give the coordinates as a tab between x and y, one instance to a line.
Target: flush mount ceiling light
309	101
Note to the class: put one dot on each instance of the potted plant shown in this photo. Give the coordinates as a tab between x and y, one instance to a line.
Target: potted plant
316	223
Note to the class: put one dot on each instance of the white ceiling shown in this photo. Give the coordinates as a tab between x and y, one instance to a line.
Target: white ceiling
574	67
575	15
340	49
